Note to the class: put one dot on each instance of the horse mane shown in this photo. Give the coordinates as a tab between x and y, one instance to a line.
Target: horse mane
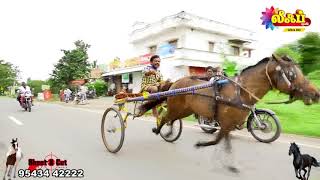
297	147
264	60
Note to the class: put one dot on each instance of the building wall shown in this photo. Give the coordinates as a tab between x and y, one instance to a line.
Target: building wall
172	72
142	47
196	39
199	39
187	38
136	81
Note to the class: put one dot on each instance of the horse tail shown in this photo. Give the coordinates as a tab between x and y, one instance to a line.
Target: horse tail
164	86
315	163
151	104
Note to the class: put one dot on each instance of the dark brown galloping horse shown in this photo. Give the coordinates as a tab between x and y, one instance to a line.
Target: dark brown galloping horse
270	72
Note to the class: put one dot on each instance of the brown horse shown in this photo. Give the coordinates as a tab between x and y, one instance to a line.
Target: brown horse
271	72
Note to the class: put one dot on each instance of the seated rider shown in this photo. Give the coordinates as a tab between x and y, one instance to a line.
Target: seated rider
218	74
151	78
23	89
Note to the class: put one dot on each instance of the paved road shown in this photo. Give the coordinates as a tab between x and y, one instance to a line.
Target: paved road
74	134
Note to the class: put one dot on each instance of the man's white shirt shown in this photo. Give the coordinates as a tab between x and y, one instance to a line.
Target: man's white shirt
23	90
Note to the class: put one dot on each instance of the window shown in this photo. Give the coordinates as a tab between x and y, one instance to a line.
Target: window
152	49
247	52
235	50
211	46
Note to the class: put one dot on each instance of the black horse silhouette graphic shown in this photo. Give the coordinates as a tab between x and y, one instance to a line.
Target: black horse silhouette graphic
302	161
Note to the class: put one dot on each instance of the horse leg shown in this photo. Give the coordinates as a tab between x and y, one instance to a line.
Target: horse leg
5	172
299	171
15	170
220	135
168	117
157	129
304	173
297	175
231	166
228	147
9	171
309	169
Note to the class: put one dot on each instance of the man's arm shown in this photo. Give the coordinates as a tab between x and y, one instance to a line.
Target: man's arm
147	71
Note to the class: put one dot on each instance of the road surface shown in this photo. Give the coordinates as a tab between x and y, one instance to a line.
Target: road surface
74	134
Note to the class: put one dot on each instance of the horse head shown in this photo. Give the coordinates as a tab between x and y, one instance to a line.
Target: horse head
293	148
286	76
14	144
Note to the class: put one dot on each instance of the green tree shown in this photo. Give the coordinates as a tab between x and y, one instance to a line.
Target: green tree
94	64
290	50
8	75
306	52
36	85
309	47
73	65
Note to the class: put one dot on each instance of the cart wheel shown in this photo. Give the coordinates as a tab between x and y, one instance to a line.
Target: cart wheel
112	130
171	131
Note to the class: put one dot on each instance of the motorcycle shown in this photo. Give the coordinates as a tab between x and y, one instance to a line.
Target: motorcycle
260	122
67	98
91	94
78	98
26	101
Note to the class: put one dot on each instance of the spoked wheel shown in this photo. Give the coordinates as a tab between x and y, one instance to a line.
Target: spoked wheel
205	121
112	130
171	131
270	126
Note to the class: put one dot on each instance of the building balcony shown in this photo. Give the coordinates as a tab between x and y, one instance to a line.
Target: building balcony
184	19
193	57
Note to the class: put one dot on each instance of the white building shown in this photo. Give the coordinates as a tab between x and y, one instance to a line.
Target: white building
186	44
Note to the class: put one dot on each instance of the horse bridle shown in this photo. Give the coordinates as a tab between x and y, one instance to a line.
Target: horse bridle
287	75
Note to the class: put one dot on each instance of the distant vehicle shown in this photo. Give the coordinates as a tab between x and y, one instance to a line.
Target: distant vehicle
25	101
91	94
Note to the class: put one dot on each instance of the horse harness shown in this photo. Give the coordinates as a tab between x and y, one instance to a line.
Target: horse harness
288	75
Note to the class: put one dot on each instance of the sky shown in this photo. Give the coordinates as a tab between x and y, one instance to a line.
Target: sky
32	32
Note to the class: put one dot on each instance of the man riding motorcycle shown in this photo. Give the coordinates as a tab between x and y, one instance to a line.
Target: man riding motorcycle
22	90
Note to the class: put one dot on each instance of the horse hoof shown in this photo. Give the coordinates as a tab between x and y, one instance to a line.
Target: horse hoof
233	169
198	145
155	130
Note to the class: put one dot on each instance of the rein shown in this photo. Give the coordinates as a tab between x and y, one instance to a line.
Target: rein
278	68
243	88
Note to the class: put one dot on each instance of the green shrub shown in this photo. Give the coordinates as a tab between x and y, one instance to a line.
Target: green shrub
100	86
230	67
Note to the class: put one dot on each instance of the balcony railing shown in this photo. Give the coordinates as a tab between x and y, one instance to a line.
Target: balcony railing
206	56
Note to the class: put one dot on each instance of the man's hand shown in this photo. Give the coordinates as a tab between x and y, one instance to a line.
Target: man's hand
150	72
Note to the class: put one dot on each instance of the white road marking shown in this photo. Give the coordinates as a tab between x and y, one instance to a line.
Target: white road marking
194	127
15	120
